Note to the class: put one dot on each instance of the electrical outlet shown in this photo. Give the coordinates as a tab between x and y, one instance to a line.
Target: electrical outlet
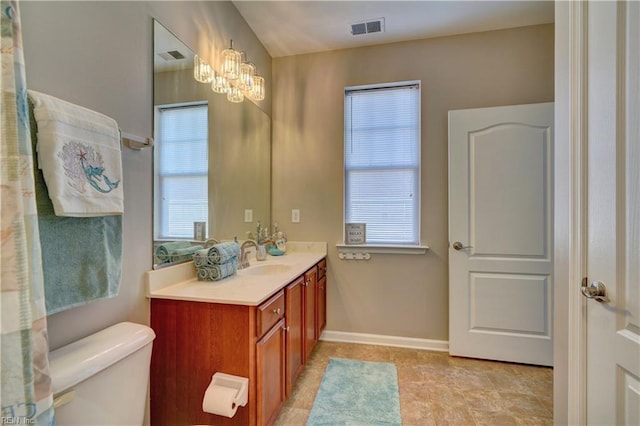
295	215
248	215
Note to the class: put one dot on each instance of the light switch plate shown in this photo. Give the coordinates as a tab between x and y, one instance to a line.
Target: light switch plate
295	215
248	215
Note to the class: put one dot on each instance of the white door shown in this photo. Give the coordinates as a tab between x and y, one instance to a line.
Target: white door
613	214
500	233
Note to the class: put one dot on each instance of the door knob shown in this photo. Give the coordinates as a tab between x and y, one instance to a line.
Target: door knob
458	246
596	290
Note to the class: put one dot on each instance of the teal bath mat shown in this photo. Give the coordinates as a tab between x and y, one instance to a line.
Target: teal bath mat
357	393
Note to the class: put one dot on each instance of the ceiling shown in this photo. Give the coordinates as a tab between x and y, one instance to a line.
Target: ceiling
296	27
167	50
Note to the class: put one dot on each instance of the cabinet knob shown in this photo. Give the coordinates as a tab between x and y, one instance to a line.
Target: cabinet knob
277	311
287	328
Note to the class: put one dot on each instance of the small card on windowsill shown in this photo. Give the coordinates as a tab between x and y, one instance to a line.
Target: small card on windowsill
355	233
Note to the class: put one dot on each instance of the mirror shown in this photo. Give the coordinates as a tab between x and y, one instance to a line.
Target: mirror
238	151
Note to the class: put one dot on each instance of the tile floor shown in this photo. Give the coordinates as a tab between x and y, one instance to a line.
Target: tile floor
437	389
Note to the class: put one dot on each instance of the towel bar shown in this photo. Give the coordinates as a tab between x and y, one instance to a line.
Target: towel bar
354	255
135	142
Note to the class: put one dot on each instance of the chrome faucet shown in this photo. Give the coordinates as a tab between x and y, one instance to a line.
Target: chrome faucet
244	262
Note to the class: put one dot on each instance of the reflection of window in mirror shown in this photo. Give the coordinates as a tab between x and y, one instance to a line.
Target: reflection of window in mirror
181	167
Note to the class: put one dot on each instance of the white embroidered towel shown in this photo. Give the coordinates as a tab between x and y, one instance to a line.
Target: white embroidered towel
79	154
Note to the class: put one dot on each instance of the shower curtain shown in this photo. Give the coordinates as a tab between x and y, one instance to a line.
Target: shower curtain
26	392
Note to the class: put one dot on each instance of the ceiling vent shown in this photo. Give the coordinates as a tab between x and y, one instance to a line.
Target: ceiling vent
368	27
172	55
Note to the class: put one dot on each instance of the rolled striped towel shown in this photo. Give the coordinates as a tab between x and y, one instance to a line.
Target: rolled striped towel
203	274
217	254
184	253
164	251
217	272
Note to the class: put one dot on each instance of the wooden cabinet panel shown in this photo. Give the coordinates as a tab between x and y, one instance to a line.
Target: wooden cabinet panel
294	296
269	313
322	305
270	357
322	297
322	268
310	303
193	341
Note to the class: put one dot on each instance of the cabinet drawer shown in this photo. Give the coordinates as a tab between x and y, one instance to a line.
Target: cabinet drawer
269	313
322	268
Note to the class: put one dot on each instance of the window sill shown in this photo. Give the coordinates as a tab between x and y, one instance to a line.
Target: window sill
346	251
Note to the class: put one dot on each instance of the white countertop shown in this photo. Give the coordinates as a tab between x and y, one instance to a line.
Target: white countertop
250	286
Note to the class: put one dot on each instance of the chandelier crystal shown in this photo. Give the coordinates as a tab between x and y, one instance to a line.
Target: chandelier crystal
257	90
235	95
247	71
231	59
219	84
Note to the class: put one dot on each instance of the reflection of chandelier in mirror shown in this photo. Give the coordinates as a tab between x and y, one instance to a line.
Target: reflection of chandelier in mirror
237	78
219	84
202	71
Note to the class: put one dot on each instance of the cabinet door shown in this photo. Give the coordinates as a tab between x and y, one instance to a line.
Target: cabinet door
294	297
270	382
322	305
310	305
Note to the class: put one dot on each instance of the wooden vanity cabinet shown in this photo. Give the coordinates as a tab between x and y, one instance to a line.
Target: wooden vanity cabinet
269	344
194	340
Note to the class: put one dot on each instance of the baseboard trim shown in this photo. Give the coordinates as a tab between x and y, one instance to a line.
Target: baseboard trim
382	340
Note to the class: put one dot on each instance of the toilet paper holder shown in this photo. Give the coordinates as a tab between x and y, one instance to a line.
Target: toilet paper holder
234	382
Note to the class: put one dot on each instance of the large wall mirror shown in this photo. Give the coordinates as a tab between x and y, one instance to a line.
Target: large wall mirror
212	158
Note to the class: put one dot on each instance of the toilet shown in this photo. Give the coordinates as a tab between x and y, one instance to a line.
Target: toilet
103	378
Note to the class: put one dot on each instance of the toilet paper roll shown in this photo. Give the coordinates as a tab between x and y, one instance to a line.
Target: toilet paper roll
219	400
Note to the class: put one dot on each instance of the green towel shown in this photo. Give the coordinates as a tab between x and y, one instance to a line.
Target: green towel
81	256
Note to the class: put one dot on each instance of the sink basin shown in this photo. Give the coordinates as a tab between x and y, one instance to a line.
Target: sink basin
268	269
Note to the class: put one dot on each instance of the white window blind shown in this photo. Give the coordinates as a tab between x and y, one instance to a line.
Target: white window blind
182	164
382	162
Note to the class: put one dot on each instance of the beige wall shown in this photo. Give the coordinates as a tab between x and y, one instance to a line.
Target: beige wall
392	294
99	55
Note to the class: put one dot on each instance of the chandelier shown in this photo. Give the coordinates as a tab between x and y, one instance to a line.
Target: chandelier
238	78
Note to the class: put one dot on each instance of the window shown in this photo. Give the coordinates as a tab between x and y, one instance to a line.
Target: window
182	165
382	161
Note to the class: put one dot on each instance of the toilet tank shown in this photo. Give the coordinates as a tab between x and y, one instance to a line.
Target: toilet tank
103	378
